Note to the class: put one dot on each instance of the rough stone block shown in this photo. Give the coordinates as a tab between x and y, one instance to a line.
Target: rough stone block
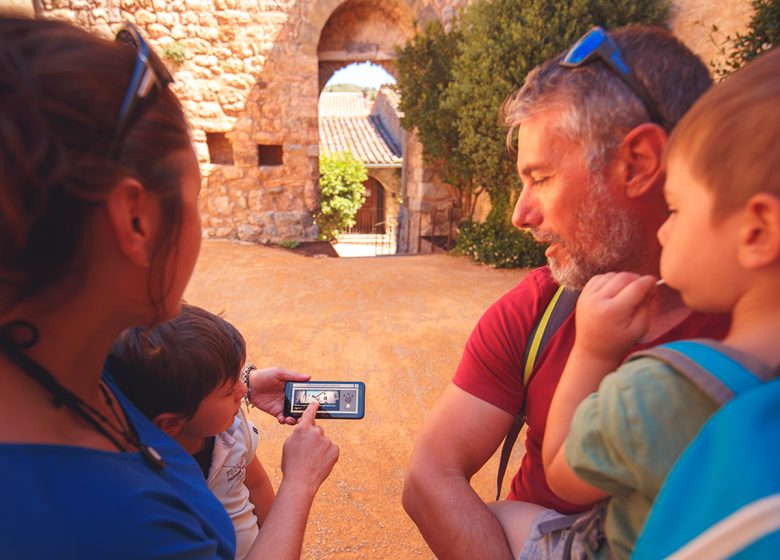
209	110
231	172
220	205
246	232
157	31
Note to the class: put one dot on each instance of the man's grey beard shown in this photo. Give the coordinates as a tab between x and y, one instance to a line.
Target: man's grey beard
605	240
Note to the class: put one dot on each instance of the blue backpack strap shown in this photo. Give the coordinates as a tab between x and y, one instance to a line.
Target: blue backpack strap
557	311
723	493
716	374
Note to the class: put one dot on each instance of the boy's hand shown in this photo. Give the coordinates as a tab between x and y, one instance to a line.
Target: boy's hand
612	314
268	390
308	455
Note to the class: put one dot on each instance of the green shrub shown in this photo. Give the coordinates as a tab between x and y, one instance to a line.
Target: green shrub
175	52
341	193
289	244
763	33
499	245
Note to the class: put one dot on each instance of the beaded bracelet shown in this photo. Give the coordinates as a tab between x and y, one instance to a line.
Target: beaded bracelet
249	368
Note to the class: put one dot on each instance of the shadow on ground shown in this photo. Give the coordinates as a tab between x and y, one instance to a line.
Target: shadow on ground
398	324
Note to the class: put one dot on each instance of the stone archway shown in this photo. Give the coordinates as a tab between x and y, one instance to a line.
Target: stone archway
363	31
271	190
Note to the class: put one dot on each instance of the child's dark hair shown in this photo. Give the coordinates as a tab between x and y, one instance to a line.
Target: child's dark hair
172	367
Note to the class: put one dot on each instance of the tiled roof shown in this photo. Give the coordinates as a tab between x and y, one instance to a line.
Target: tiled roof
344	104
346	126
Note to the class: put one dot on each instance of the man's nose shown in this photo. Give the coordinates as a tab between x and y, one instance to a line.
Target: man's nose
526	214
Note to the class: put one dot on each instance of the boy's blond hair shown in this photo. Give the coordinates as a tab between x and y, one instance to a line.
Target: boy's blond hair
730	139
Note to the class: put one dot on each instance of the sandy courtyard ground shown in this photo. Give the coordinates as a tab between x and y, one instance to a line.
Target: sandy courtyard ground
396	323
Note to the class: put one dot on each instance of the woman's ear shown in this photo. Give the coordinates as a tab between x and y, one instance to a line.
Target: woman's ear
641	158
759	240
133	213
170	423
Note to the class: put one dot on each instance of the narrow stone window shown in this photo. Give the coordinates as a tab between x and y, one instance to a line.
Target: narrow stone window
268	156
220	148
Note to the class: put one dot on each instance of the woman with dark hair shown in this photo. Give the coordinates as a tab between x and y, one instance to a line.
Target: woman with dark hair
99	231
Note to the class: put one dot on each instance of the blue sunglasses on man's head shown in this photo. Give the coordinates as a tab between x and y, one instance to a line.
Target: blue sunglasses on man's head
597	44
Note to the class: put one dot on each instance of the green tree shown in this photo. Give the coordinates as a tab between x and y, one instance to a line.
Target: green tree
341	193
762	34
424	73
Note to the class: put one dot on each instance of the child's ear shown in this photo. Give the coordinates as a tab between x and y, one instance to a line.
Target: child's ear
760	234
133	212
170	423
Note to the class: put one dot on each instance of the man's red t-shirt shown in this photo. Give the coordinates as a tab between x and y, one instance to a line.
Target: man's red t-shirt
492	364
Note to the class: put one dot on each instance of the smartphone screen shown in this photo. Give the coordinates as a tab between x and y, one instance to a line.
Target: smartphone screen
338	399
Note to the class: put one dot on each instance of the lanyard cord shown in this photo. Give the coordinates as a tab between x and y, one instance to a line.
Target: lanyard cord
62	396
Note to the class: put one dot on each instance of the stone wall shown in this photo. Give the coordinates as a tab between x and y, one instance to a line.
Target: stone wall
251	78
693	20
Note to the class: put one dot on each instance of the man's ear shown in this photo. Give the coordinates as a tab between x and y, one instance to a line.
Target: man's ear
641	157
170	423
759	236
132	213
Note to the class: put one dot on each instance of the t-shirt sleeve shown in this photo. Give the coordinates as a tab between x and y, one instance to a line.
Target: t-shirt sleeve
491	365
628	434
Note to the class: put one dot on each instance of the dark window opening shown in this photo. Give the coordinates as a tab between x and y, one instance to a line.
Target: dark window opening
269	155
220	148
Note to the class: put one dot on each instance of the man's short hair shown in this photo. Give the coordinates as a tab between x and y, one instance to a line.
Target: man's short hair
599	109
172	367
730	139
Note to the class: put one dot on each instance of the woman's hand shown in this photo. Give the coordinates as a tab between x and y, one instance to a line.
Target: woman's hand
308	455
612	314
267	390
307	459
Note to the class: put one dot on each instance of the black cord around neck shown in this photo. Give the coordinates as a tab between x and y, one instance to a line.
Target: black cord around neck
13	349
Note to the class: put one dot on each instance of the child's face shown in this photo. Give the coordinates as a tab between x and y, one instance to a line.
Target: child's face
699	256
217	411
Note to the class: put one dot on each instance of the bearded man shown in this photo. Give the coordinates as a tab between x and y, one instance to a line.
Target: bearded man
591	125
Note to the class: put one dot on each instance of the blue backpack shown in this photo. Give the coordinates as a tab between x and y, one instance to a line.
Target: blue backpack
721	499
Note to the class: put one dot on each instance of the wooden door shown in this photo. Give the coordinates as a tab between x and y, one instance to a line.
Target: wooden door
373	210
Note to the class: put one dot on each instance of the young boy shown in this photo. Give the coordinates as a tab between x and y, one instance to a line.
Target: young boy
721	251
184	375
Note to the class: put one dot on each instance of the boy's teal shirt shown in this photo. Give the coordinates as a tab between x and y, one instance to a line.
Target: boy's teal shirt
625	438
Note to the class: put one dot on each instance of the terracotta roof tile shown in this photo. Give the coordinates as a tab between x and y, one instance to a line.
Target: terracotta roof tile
364	135
344	104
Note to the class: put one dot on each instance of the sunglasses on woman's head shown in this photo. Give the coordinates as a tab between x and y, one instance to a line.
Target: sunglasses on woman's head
149	73
596	44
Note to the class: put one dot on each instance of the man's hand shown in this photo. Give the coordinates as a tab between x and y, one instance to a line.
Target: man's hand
268	390
612	314
458	437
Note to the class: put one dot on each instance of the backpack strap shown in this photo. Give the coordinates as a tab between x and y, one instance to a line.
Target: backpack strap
714	373
558	310
721	498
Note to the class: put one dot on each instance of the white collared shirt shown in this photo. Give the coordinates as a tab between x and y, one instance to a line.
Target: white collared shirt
234	449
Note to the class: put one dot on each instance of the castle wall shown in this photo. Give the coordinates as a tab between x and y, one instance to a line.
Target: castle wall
252	74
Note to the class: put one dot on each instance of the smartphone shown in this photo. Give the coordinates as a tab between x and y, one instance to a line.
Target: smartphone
338	399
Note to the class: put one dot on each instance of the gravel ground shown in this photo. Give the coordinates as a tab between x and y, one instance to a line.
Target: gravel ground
396	323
